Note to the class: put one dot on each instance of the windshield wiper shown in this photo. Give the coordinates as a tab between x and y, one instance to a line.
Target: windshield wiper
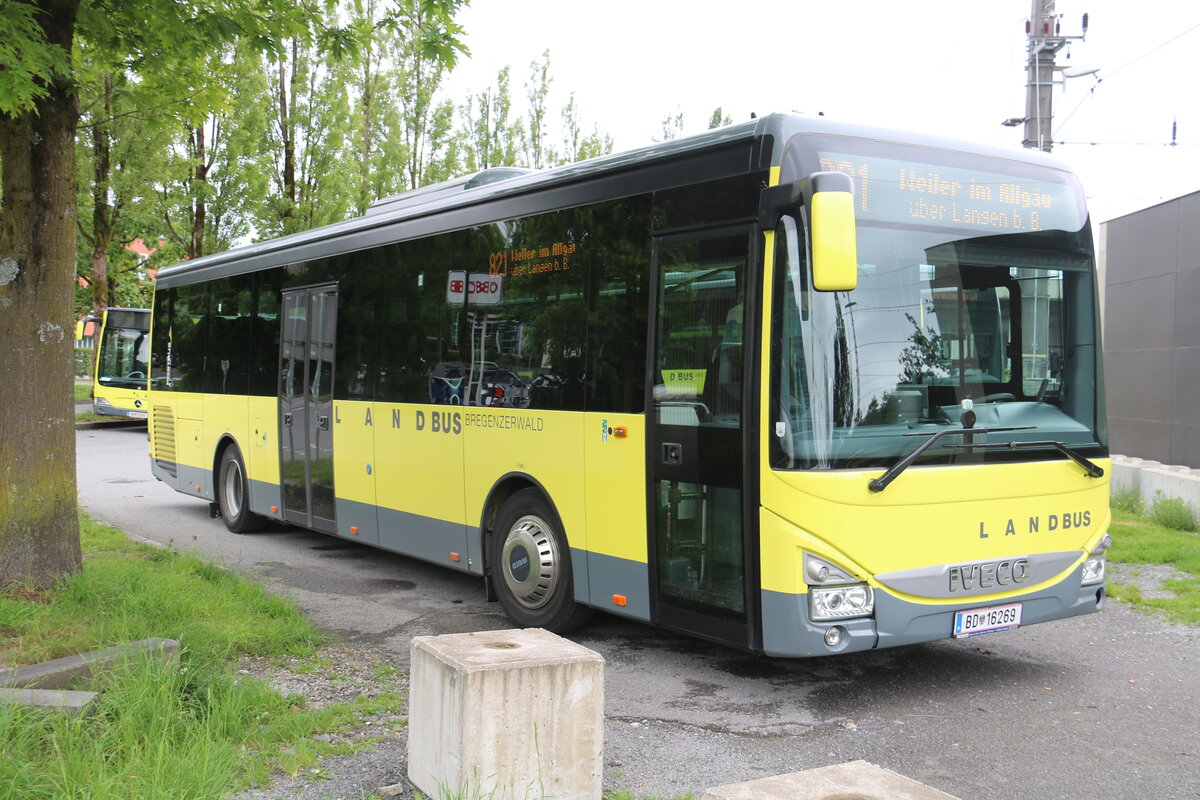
1090	468
881	483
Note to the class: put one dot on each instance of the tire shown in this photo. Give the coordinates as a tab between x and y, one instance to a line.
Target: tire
233	494
531	566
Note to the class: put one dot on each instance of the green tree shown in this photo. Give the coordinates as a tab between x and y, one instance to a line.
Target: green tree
537	153
719	119
492	138
577	145
39	114
672	126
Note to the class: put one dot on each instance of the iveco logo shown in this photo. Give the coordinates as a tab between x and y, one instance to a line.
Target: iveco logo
987	574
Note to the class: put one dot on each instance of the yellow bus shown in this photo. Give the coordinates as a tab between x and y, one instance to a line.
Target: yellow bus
119	386
792	385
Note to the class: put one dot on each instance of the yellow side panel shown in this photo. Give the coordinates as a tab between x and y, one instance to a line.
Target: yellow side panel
189	444
224	414
189	406
354	450
546	445
261	452
781	553
189	429
419	460
616	485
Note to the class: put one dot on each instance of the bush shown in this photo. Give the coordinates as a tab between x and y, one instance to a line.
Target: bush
1171	512
83	361
1127	499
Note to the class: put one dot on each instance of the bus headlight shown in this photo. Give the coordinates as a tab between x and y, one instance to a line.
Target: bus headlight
1093	570
100	401
840	602
1094	567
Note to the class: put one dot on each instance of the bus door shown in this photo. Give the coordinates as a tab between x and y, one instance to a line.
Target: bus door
306	406
698	536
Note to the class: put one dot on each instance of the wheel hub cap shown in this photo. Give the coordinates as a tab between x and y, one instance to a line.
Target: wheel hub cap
529	562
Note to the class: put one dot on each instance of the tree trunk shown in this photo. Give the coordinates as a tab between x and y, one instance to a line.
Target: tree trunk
103	213
287	132
39	527
195	247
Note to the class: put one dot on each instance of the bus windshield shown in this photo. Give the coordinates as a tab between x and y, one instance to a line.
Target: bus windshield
942	314
124	350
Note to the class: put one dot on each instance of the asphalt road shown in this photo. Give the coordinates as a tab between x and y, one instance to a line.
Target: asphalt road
1102	706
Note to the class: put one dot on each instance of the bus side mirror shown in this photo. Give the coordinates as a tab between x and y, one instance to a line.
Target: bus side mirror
834	239
828	197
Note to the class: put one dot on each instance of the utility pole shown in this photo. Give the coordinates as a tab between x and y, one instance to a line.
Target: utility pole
1044	45
1044	29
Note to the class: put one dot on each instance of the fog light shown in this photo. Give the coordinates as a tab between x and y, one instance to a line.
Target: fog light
1093	570
840	602
833	636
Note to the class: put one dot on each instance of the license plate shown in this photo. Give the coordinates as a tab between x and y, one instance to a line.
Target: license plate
986	620
137	414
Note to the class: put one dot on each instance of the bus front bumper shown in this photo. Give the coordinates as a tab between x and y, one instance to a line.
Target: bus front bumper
789	633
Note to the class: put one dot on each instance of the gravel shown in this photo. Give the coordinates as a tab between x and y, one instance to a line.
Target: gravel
378	769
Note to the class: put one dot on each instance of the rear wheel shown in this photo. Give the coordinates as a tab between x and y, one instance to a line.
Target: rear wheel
233	494
531	566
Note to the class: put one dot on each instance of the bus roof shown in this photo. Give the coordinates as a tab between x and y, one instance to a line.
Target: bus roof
507	192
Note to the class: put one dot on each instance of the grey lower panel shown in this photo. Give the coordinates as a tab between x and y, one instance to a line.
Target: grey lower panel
165	471
424	537
113	411
195	481
579	576
901	622
787	631
358	522
263	496
608	576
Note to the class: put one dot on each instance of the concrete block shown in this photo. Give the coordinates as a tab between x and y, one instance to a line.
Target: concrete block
70	703
62	672
854	780
1151	480
505	715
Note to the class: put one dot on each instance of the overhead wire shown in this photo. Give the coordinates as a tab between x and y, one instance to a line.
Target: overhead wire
1092	91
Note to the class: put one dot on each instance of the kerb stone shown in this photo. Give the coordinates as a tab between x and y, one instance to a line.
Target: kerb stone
62	672
70	703
854	780
507	715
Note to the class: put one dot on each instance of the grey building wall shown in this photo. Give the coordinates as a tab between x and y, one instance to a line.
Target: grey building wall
1152	331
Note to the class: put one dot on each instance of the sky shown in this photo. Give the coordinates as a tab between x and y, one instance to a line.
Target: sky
951	67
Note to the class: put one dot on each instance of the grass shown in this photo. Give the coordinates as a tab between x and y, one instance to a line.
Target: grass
199	730
1141	540
83	391
90	416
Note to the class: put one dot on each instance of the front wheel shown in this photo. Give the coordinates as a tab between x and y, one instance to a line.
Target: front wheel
531	566
233	494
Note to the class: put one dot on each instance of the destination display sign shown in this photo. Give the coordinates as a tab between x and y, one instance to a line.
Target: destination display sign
922	193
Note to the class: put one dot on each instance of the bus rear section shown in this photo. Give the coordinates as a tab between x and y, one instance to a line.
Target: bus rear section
120	384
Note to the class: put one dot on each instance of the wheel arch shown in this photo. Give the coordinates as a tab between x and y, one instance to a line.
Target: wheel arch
225	441
504	488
